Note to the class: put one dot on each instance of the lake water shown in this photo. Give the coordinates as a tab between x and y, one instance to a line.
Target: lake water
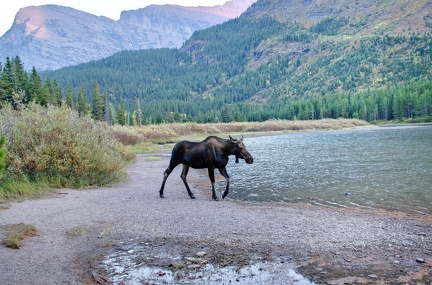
380	168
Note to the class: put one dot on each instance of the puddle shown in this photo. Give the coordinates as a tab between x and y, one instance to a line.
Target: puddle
135	267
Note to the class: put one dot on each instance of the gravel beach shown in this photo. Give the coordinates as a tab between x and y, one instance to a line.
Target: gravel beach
105	235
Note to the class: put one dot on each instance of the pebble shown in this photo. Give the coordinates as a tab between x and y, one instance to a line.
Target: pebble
201	253
194	266
420	260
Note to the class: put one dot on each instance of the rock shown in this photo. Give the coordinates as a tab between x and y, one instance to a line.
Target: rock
194	266
201	253
420	260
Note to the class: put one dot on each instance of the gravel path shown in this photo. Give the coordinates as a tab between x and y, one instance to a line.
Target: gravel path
83	234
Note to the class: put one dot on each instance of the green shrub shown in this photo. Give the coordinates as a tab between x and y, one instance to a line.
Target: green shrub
55	145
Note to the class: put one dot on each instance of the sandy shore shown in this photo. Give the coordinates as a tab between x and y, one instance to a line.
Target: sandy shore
78	231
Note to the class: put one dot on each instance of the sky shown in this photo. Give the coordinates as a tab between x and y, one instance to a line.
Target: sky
110	9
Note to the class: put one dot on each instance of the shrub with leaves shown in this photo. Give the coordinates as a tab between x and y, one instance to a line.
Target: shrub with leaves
56	145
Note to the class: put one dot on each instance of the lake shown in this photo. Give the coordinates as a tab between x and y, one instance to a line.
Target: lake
378	168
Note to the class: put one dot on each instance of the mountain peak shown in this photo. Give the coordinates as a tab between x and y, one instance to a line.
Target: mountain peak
51	36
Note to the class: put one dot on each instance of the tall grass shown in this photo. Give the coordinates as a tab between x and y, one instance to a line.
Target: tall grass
54	146
166	133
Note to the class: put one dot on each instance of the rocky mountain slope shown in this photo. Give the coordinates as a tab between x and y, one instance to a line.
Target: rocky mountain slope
49	37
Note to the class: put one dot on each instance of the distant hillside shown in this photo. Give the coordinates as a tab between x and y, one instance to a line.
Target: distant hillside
324	61
50	37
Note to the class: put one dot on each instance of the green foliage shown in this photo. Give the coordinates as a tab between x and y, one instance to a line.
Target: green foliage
55	145
329	26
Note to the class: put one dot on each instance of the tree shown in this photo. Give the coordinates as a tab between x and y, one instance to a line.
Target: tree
98	104
107	110
35	88
138	112
83	108
121	114
226	115
69	98
7	78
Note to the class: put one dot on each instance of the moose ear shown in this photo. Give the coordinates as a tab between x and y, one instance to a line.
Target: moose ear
231	138
242	138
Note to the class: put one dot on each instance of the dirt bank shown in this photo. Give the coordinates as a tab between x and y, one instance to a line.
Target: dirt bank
79	231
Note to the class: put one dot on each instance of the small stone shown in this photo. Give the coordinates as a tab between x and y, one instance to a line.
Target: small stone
420	260
373	276
201	253
194	266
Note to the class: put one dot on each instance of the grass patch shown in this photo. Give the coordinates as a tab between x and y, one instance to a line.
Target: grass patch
78	231
17	233
20	188
153	138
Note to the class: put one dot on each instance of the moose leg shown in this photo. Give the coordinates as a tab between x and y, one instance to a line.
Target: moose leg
212	179
225	174
183	177
166	174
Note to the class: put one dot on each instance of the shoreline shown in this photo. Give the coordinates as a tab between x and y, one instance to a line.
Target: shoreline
326	245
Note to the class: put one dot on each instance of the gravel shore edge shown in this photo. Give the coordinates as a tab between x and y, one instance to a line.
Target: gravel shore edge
77	229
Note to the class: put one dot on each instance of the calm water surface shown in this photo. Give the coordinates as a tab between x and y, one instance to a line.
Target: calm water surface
384	167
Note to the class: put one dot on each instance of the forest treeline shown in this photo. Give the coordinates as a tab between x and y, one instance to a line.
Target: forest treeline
410	101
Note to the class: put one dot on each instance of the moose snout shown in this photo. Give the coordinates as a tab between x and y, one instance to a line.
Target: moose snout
249	160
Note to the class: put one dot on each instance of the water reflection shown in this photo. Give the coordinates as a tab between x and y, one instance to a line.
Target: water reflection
383	167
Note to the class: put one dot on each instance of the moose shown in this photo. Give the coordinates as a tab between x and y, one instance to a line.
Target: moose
211	153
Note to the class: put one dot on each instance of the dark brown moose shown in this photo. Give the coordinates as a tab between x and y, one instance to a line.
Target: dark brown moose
211	153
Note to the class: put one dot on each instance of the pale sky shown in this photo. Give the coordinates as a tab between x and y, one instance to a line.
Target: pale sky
110	9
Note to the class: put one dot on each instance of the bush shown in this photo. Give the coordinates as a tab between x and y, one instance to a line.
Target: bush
55	145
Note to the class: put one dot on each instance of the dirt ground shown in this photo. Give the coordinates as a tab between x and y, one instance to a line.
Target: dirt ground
99	236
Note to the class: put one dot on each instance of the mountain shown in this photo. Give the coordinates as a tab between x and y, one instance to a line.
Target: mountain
354	59
49	37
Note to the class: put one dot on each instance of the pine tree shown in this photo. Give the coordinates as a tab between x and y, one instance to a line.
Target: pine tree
20	76
7	78
98	103
138	112
57	96
121	114
107	115
35	88
69	98
83	108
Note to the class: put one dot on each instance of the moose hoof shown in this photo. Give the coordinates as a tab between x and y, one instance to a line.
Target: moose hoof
193	197
215	199
162	196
